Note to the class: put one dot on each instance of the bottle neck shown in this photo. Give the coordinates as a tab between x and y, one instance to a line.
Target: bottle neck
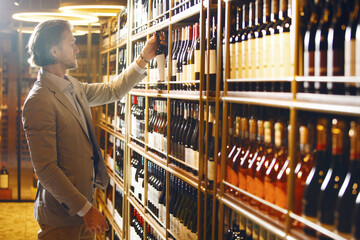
266	11
354	134
274	10
337	131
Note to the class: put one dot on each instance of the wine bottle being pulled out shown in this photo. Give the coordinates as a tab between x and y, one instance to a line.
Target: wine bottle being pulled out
161	53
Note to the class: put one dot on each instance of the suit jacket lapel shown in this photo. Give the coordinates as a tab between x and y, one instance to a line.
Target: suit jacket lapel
63	100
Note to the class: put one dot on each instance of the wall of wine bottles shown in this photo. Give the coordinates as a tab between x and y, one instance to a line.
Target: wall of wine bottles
246	127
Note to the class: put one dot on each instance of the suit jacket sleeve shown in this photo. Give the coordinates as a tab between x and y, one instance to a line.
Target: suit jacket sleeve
102	93
39	121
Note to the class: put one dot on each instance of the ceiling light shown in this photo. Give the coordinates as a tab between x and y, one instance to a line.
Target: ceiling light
74	18
17	2
105	9
76	32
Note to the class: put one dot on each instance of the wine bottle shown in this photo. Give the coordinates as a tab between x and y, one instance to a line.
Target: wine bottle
211	149
251	46
334	177
350	48
212	57
276	18
266	34
317	173
175	49
259	86
309	44
286	41
244	48
197	56
191	58
351	186
336	41
321	46
160	53
233	55
4	177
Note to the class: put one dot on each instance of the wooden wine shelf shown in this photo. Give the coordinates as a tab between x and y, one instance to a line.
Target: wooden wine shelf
122	43
183	175
156	159
349	105
238	97
111	130
298	233
117	180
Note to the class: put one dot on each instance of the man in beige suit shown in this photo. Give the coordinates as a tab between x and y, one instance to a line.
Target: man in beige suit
61	138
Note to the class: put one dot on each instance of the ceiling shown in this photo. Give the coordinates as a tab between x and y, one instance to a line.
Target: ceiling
8	8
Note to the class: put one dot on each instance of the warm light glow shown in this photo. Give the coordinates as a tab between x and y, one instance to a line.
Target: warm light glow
75	19
97	10
76	32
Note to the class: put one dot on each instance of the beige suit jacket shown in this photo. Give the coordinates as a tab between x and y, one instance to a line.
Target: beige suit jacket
61	152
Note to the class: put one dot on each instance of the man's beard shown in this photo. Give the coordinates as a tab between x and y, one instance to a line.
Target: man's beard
72	66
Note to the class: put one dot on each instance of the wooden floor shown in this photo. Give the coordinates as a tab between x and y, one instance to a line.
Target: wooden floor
17	221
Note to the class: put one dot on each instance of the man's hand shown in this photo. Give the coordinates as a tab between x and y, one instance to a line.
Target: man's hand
148	51
95	221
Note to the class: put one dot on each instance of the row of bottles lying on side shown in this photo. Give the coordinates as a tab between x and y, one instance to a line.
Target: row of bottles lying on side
326	171
331	44
137	227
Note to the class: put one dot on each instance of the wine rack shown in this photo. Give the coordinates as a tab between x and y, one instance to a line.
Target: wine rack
284	92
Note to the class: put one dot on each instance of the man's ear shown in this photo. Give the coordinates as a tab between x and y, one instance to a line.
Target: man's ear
53	52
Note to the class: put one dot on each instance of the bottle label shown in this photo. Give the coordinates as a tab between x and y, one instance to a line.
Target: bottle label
191	70
286	58
245	60
267	56
160	59
211	169
4	181
189	156
350	57
232	176
233	65
174	68
196	159
238	49
252	57
185	72
212	61
275	62
259	59
198	61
